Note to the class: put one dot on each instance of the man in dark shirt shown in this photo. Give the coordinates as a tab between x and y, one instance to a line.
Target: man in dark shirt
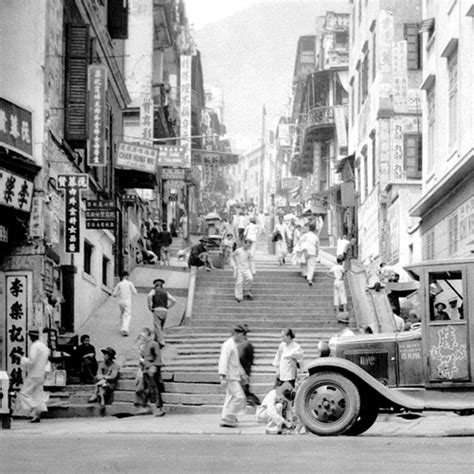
166	240
159	301
246	356
85	359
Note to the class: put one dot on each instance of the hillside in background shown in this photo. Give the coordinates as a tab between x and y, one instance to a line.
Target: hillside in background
251	56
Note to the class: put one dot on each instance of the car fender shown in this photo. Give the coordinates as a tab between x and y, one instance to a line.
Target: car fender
361	377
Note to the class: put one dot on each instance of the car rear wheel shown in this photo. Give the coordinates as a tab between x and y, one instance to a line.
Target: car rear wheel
328	403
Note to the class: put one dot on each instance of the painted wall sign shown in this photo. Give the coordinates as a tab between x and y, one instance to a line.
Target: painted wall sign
15	191
18	309
96	153
15	128
201	157
185	108
37	217
173	173
73	183
137	157
146	120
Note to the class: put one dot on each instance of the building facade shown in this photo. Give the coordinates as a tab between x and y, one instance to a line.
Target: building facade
66	102
446	206
320	104
385	128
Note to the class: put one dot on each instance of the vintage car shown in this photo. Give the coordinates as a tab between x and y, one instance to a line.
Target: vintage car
428	368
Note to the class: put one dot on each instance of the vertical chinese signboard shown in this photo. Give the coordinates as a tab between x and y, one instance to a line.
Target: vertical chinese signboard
185	108
18	301
146	120
72	183
96	155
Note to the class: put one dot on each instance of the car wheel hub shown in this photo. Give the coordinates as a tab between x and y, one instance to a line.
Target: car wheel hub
327	403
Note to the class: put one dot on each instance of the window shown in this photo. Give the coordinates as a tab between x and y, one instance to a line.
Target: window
412	37
374	55
453	235
88	250
453	96
430	99
365	77
429	246
366	173
105	270
412	155
374	158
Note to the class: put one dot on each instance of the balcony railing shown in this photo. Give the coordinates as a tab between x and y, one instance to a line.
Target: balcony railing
321	116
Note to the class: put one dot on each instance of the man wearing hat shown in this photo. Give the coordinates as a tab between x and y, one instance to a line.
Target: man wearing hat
231	373
32	396
440	313
107	376
159	301
276	409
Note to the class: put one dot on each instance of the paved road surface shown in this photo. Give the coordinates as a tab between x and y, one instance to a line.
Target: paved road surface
232	454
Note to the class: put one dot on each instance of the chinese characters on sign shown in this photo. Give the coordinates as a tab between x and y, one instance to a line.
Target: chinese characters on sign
137	157
15	128
169	155
97	115
36	218
100	214
17	309
146	120
185	108
15	191
73	183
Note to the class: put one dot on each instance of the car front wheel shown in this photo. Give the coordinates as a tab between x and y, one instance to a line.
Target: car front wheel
328	403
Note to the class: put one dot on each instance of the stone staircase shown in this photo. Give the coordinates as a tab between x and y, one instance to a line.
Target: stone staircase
282	299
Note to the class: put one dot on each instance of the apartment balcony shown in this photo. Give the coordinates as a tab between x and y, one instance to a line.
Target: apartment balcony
318	124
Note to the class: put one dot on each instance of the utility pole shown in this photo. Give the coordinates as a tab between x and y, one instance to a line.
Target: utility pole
262	164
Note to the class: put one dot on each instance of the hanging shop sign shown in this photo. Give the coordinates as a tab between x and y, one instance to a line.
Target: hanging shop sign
18	301
173	173
137	157
185	107
193	175
201	157
15	128
146	120
96	153
100	214
290	183
3	234
169	155
72	183
15	191
37	217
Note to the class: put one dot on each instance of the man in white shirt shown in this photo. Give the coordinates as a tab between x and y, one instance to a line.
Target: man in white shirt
310	243
241	224
243	266
124	291
32	396
231	373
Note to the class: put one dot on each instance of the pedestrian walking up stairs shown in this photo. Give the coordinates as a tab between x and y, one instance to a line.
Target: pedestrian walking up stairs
281	299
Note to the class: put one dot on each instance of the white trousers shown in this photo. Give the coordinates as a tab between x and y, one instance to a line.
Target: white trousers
32	396
125	315
234	402
243	283
310	267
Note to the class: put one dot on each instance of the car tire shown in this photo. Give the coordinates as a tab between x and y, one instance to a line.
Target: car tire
328	403
364	421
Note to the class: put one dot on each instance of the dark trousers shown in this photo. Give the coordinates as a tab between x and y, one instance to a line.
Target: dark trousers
150	389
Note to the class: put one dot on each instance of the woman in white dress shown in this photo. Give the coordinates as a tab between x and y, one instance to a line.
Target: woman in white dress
280	237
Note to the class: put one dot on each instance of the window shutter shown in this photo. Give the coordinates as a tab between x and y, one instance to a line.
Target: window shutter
77	51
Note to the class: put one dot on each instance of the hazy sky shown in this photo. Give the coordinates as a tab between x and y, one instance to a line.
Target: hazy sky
202	12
